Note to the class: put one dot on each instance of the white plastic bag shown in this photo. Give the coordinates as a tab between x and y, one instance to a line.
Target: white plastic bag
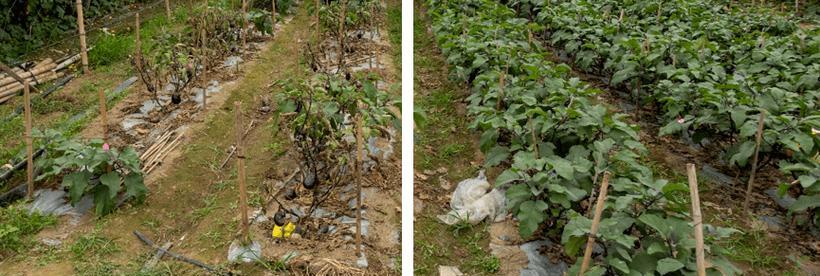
473	201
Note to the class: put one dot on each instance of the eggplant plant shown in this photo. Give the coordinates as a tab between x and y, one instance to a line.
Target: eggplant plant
554	143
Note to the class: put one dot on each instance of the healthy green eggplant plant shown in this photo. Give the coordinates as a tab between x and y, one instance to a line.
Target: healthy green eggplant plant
709	72
92	168
554	143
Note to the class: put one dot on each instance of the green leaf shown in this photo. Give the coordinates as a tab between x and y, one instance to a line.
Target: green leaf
102	202
805	202
135	186
531	214
618	264
807	180
667	265
496	155
488	139
112	181
77	183
506	177
562	167
743	154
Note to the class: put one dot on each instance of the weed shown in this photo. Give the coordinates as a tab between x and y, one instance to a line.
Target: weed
17	227
451	150
110	49
93	245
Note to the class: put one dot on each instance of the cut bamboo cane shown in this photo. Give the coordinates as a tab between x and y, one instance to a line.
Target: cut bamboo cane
164	149
318	24
14	76
758	139
501	84
358	177
151	150
138	49
244	33
162	154
29	141
168	8
16	87
67	62
81	28
8	94
599	208
697	219
342	36
103	115
240	167
34	77
272	16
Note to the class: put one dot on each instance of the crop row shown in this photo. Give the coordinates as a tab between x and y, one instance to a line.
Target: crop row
543	126
708	70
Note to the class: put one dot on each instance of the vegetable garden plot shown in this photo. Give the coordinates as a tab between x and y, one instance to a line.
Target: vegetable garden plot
555	144
311	211
707	72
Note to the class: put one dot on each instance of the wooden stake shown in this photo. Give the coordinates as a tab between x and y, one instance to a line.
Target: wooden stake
244	33
138	50
81	28
29	141
204	98
599	208
273	16
318	24
168	8
697	218
358	176
103	116
342	19
796	7
240	167
758	139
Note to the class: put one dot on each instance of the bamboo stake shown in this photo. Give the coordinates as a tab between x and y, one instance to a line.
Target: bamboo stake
697	218
81	28
29	141
342	35
501	84
240	167
318	25
11	73
168	8
358	176
599	208
758	139
273	16
244	24
103	116
138	50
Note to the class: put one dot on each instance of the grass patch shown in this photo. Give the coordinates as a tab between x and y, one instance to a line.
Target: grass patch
17	228
394	29
93	246
462	245
110	49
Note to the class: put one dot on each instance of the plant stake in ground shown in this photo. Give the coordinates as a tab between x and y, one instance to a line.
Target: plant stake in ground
29	142
599	208
81	29
244	249
697	218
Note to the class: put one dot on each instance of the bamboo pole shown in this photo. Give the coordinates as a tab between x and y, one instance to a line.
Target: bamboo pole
272	16
599	208
138	49
758	139
81	28
240	167
697	219
244	24
11	73
342	19
358	176
168	9
103	116
318	25
29	141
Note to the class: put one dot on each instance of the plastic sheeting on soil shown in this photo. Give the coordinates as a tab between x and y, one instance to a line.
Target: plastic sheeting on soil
472	202
540	265
53	202
246	254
